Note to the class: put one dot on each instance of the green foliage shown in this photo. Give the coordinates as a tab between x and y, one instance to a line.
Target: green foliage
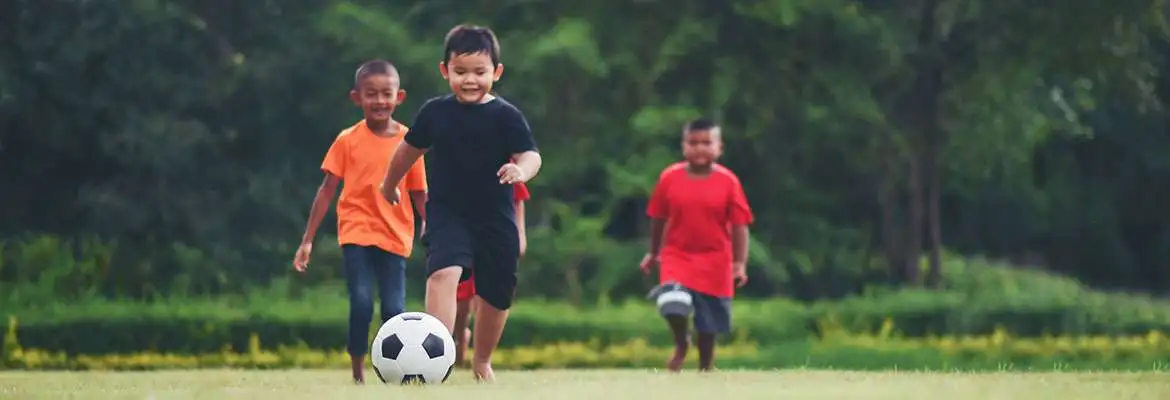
189	155
980	299
990	353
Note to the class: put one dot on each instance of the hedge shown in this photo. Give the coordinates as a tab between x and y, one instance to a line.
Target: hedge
993	352
210	325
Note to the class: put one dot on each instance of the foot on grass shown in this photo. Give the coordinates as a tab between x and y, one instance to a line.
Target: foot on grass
358	371
483	372
675	363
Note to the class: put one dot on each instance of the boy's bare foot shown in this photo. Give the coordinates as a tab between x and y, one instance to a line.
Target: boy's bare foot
675	363
483	372
357	364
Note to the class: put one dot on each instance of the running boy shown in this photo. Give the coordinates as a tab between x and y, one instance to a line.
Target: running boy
466	292
375	236
474	136
699	235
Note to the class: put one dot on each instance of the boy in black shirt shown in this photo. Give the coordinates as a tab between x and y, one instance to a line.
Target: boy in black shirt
471	136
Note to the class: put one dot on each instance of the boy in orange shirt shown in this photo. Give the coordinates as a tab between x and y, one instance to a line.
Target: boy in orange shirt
375	236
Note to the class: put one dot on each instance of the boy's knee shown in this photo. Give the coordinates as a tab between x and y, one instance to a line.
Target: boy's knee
362	299
445	276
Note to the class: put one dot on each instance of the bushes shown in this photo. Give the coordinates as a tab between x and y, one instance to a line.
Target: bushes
980	298
199	327
994	352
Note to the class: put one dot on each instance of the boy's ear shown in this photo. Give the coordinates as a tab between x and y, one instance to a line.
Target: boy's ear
355	97
401	96
499	71
443	69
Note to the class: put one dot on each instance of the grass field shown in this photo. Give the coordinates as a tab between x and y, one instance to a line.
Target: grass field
592	385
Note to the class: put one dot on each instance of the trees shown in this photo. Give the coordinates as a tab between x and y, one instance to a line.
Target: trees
870	133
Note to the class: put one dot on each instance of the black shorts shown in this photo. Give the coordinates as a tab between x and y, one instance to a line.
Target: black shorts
712	314
489	243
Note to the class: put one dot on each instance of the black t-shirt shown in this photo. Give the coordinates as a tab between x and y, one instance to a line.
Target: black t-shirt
468	144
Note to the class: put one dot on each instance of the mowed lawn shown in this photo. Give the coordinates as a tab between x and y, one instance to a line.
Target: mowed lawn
588	384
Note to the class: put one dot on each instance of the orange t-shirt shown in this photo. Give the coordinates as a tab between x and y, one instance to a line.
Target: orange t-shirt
360	158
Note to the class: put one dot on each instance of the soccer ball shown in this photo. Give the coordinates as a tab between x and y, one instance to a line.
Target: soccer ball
413	347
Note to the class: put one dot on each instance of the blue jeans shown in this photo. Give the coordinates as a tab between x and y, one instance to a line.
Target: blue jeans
366	266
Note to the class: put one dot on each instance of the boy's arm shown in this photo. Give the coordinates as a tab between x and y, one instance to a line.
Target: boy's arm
657	230
414	144
520	226
739	244
740	214
419	199
404	156
529	162
334	166
416	184
321	202
658	210
521	145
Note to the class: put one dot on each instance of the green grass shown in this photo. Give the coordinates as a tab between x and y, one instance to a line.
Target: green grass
592	384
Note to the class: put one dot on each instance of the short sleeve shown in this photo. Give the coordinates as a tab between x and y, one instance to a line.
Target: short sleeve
739	212
416	178
520	192
421	130
659	207
335	158
517	134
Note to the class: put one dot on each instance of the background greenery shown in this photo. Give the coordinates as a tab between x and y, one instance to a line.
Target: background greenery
951	165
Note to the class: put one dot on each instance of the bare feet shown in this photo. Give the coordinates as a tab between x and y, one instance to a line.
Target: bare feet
675	363
483	372
358	366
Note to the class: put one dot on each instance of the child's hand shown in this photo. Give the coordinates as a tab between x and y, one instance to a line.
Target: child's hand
391	196
740	271
511	173
301	260
648	263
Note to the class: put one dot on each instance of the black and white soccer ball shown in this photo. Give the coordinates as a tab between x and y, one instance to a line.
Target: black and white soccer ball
413	348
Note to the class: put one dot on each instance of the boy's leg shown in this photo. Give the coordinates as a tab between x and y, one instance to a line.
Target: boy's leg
449	251
495	286
440	298
678	328
357	262
391	273
462	335
712	318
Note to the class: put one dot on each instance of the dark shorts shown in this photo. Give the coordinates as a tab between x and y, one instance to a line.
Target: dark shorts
712	314
490	244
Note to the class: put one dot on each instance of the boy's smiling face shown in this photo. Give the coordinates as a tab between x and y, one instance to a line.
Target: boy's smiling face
378	95
471	76
701	147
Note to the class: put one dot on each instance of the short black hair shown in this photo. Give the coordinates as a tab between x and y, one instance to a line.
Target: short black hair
471	39
700	124
373	67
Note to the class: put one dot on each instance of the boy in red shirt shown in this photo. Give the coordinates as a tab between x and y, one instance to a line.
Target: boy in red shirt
699	239
463	306
376	237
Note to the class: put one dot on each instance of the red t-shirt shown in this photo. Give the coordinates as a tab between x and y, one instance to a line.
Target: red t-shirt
699	212
520	192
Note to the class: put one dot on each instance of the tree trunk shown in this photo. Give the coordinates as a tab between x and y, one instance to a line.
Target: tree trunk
934	224
893	240
917	219
929	91
574	292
